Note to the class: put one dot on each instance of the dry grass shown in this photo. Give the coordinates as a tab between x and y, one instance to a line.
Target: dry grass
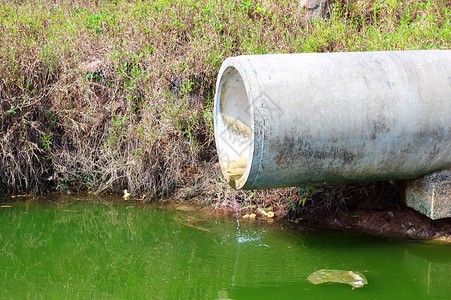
103	96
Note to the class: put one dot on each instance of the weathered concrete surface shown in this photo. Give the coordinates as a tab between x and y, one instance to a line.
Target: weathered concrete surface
431	194
286	120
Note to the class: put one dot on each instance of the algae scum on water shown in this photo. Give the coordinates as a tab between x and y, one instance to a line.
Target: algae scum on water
354	279
81	249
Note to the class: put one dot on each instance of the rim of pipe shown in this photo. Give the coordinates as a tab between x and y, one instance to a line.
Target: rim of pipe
234	125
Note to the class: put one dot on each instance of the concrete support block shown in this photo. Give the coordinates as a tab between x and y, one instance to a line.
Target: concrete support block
431	194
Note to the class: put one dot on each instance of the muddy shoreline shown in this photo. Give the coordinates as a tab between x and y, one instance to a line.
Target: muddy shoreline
395	223
400	223
376	218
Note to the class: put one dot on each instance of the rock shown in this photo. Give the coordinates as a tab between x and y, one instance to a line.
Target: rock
354	279
268	214
316	8
126	195
175	86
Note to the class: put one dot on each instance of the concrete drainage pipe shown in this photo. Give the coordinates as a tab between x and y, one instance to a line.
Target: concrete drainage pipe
300	119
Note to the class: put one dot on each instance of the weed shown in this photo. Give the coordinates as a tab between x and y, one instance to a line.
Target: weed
12	110
46	141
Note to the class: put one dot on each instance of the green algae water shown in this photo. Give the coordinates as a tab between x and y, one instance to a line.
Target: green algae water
89	250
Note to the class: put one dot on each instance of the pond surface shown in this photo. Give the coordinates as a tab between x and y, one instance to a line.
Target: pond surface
82	249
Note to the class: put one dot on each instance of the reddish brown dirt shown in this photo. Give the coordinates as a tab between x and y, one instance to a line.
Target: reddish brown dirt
374	208
399	222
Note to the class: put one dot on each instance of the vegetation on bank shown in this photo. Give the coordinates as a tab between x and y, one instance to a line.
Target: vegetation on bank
106	95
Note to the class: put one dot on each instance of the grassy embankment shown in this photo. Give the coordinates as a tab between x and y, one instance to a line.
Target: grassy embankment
107	95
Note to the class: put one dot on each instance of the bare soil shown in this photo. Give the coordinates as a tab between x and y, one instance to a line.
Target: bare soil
379	211
399	222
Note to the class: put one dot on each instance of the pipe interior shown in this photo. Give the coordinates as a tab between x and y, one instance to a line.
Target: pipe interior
234	125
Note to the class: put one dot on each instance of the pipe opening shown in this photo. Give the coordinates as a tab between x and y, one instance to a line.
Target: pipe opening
233	125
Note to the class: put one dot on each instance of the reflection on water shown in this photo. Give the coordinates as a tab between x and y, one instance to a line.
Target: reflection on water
95	250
